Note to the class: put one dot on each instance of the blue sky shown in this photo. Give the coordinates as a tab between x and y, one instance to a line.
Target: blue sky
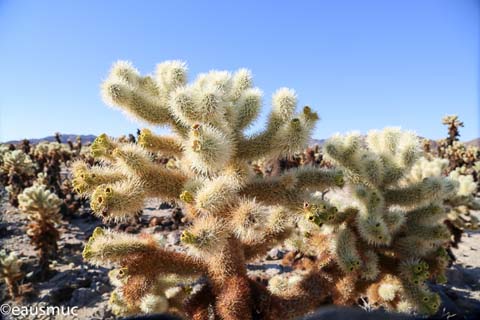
359	64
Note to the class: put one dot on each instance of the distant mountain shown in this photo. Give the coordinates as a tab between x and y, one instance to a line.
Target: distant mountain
63	137
474	142
313	142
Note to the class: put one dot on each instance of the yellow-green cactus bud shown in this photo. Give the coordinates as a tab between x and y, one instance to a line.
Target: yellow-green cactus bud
320	212
102	147
414	271
308	114
187	197
187	237
144	138
87	251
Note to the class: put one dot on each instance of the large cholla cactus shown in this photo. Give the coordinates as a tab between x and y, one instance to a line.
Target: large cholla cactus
237	215
10	271
386	234
19	171
42	208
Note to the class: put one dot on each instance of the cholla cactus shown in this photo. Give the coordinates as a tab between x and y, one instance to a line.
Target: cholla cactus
236	215
458	154
3	175
10	271
19	170
390	239
458	205
52	158
453	124
461	205
42	208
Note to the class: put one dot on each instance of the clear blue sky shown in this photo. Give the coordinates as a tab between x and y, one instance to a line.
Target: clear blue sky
360	64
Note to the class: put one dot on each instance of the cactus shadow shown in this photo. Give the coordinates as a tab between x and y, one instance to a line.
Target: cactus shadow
266	266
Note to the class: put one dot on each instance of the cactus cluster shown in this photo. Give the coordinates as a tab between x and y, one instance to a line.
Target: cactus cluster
236	215
49	157
10	271
458	206
462	163
382	236
42	208
378	234
460	156
48	162
18	172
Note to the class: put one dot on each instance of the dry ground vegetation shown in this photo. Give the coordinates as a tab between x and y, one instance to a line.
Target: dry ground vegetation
316	246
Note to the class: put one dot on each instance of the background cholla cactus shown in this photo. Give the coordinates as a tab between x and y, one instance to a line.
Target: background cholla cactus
236	215
19	171
25	146
50	156
10	271
382	236
453	124
462	163
52	160
42	207
3	175
460	204
459	155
